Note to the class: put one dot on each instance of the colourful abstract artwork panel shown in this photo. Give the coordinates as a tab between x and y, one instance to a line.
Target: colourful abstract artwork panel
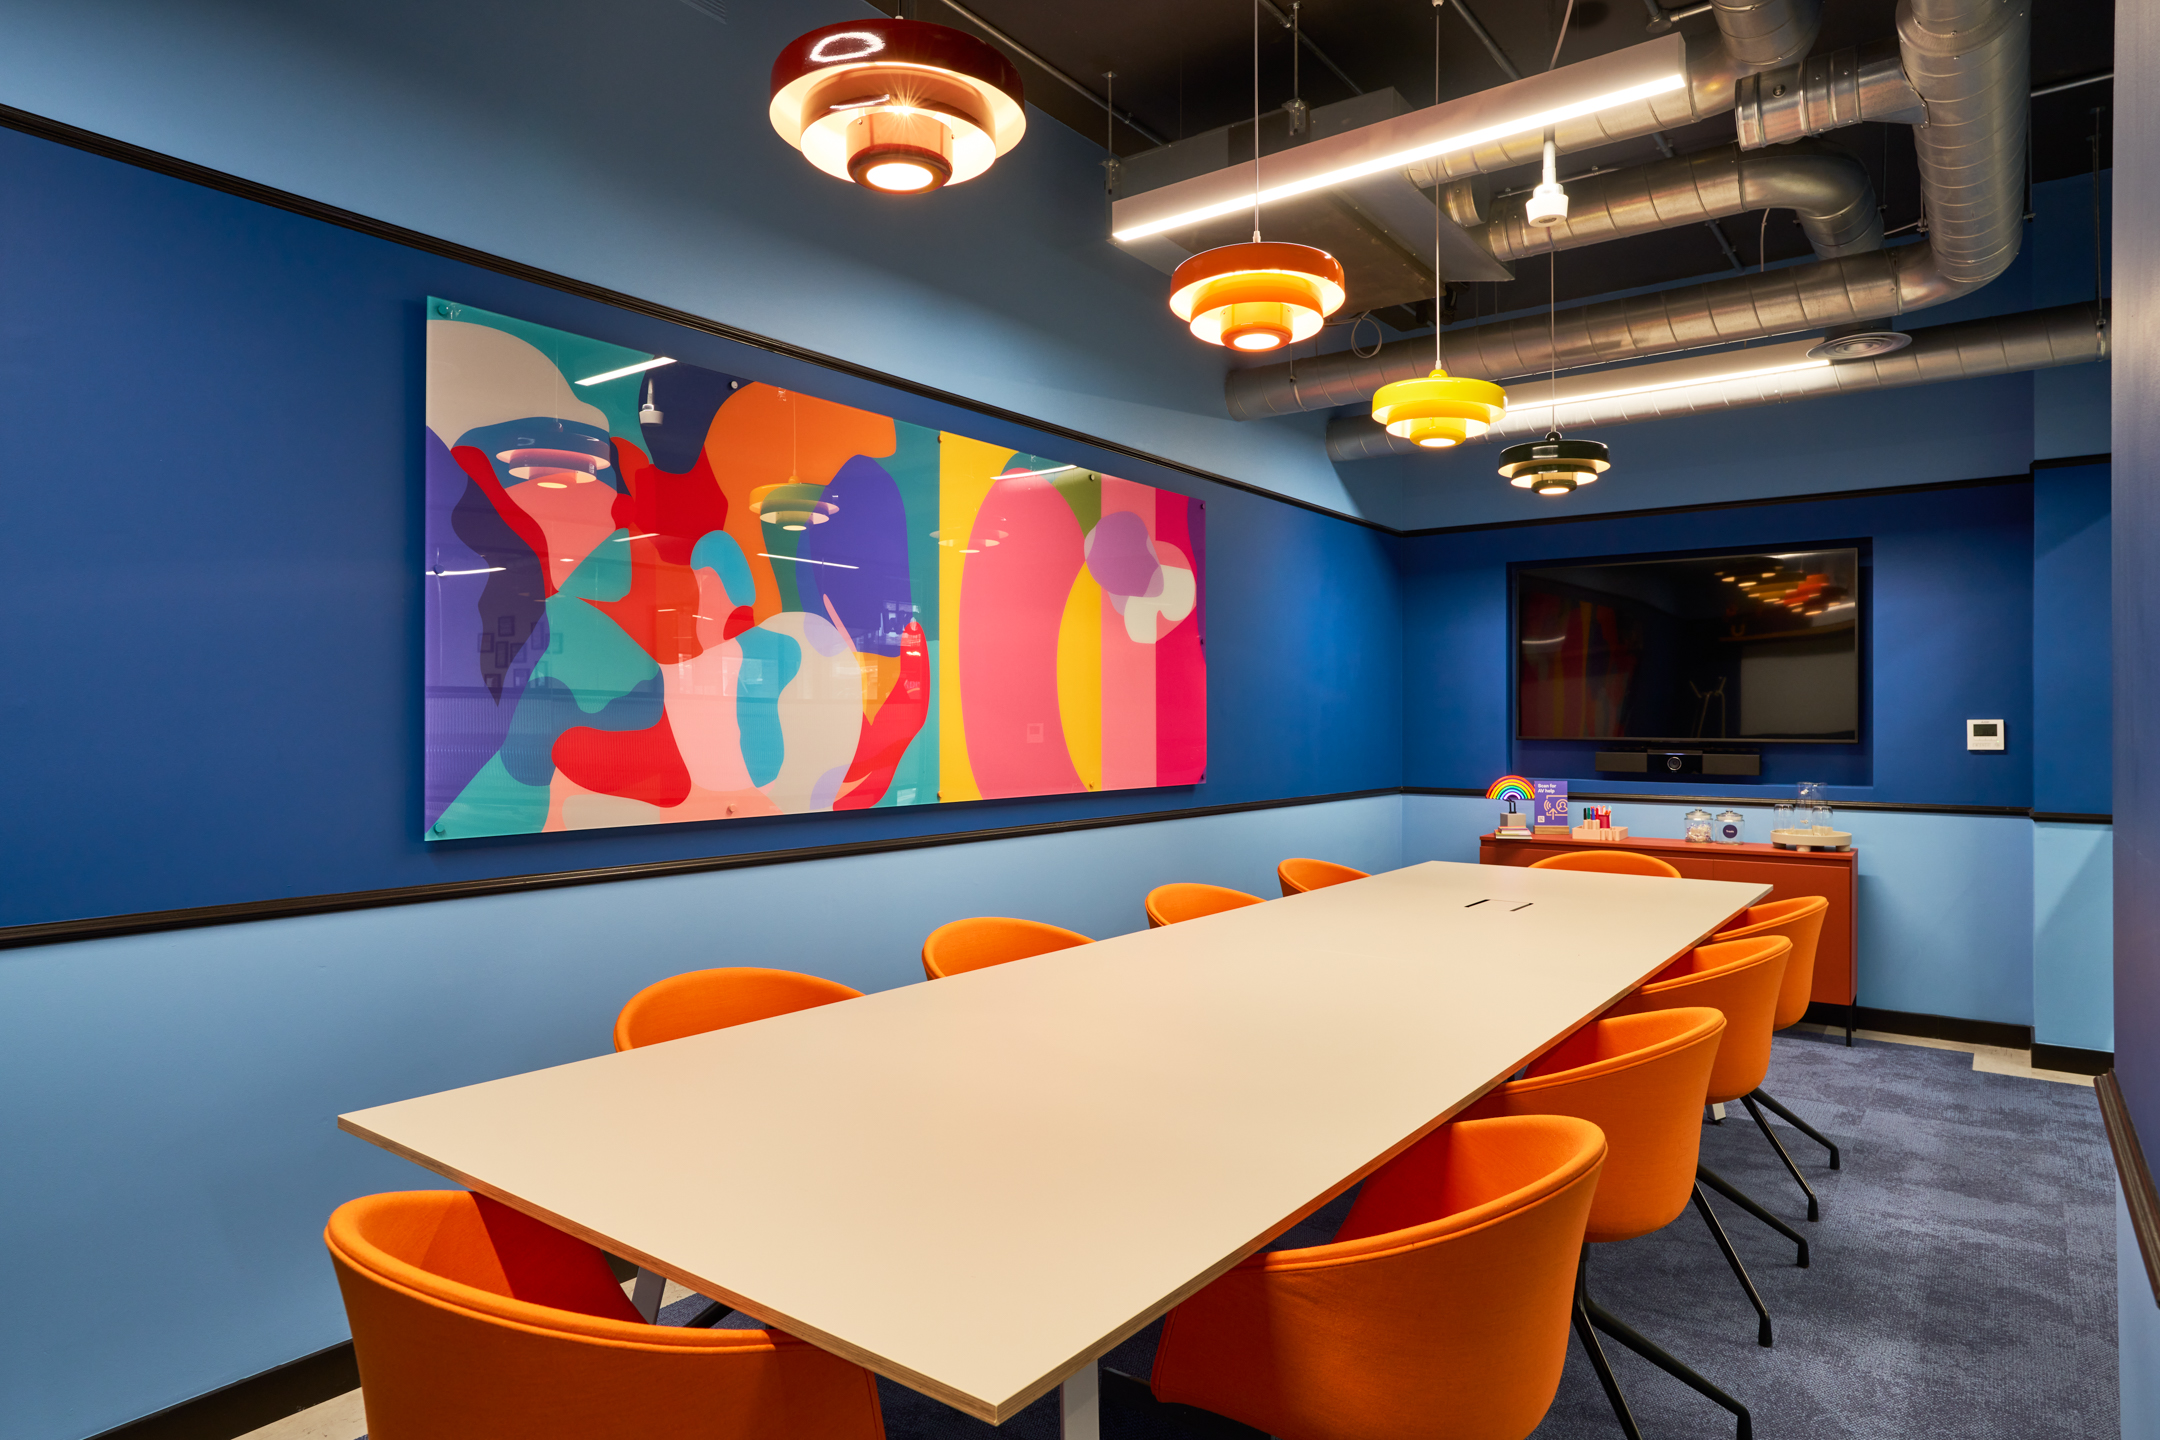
657	593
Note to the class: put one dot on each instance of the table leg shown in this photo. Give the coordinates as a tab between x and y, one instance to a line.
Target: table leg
1080	1404
645	1295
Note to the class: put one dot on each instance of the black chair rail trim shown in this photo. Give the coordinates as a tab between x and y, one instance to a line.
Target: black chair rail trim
99	927
2139	1195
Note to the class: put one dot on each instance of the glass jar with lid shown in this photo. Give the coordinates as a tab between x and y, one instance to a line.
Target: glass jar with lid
1728	828
1698	826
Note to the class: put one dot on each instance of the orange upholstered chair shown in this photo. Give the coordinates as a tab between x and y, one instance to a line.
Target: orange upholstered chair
1440	1309
986	940
706	1000
1641	1080
1741	978
1609	862
1298	876
1799	920
470	1319
1168	904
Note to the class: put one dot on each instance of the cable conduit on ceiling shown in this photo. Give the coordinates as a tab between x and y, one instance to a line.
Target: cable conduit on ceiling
1967	61
1997	345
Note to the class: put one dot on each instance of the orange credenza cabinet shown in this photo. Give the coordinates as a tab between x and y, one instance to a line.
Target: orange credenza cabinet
1788	873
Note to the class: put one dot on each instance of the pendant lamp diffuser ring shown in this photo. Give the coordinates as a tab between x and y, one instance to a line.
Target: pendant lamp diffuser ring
1439	410
1554	466
1259	295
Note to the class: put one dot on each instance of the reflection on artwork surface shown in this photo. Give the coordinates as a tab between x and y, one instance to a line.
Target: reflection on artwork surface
658	593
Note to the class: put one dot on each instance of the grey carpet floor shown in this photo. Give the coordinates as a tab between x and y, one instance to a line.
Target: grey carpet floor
1963	1283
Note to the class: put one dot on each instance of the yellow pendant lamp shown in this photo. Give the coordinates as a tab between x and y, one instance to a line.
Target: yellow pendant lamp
1438	410
1260	295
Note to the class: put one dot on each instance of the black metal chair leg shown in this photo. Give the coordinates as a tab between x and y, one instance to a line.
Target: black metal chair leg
1612	1325
1733	1193
1814	1210
1801	1125
710	1316
1732	1258
1596	1352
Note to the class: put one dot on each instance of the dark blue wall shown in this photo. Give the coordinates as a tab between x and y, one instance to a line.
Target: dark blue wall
2072	610
213	691
1949	599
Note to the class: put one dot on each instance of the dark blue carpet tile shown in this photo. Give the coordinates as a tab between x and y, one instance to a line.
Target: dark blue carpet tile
1963	1282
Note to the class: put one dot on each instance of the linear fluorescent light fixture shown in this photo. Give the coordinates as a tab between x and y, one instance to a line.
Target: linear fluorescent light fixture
652	364
1523	107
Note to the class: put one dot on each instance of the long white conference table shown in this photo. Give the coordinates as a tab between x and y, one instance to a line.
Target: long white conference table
977	1186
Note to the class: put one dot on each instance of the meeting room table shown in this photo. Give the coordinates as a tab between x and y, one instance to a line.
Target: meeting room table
978	1186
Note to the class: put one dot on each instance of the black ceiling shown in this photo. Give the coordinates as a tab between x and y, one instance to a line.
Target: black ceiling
1185	66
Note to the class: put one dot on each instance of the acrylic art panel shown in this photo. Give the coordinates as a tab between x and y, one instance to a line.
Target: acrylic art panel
678	595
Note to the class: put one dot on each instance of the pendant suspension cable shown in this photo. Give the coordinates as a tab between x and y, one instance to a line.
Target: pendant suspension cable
1561	39
1439	284
1256	120
1552	323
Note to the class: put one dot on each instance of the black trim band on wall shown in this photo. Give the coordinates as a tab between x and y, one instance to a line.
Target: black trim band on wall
102	927
1920	1025
62	133
1697	509
2139	1194
2015	812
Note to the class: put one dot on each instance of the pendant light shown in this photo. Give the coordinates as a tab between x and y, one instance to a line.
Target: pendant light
1262	295
897	105
1438	410
1553	466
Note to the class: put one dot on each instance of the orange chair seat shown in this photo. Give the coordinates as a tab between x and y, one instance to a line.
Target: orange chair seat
470	1319
1169	904
1799	920
1740	978
985	940
1441	1309
703	1000
1298	876
1609	862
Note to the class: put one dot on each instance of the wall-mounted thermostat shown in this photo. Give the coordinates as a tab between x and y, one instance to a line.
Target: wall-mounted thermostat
1983	734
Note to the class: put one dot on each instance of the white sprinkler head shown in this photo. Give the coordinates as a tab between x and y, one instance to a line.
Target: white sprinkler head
1547	205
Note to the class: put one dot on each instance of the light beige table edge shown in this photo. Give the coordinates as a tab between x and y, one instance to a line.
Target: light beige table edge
998	1412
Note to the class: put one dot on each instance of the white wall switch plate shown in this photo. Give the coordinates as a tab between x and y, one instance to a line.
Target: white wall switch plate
1983	735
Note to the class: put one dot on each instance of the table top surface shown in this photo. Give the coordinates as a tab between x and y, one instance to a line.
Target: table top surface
974	1185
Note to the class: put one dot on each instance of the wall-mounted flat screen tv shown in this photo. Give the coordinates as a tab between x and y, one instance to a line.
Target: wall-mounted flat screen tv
1743	647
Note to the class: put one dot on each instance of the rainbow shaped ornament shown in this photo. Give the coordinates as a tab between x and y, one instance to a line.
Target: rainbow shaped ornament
1511	787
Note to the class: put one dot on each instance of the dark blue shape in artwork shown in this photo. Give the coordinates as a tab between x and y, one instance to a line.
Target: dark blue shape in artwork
688	396
549	707
864	551
515	596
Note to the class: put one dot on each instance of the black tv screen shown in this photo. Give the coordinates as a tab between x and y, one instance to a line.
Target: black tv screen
1712	647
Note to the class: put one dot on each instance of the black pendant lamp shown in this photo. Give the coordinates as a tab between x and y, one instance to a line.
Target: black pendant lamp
1555	465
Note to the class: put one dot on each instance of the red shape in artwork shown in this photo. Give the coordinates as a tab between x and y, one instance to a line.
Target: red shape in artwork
741	618
476	465
635	764
668	515
887	735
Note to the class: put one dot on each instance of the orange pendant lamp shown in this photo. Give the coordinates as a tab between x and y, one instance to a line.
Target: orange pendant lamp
1261	295
900	106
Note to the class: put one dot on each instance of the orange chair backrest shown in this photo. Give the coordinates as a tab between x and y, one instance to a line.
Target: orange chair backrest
1739	977
1443	1300
469	1318
705	1000
1610	862
1298	876
986	940
1168	904
1799	920
1641	1079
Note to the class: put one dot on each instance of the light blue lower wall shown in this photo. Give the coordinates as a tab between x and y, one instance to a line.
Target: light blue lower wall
1977	916
2074	935
2137	1332
170	1100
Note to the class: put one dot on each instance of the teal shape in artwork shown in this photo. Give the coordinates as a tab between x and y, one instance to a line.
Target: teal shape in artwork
717	551
588	653
493	802
769	663
602	575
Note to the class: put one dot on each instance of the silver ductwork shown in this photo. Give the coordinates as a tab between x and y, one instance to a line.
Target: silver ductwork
1998	345
1764	34
1827	189
1825	92
1966	59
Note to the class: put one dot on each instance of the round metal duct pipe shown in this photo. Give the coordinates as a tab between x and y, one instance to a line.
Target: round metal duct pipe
1827	189
1998	345
1764	34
